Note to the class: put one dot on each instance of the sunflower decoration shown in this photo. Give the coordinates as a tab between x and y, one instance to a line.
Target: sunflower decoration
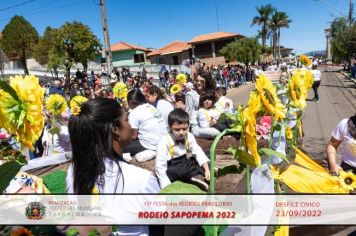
289	133
308	79
181	79
175	88
269	97
249	128
21	231
120	91
75	104
305	60
21	108
347	180
56	104
298	91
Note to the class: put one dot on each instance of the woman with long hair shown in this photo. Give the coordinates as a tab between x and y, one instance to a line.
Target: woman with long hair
148	127
98	135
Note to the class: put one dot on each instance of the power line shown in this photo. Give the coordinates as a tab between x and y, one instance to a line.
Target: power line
48	10
331	6
17	5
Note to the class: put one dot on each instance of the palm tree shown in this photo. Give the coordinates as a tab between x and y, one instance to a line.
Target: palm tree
279	20
263	19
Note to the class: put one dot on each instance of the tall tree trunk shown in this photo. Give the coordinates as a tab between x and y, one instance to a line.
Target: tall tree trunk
24	64
274	40
264	35
85	66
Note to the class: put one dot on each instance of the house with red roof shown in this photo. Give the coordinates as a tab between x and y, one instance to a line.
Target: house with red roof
207	47
171	54
127	54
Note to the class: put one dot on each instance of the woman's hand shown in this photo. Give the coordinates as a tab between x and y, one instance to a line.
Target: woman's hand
334	170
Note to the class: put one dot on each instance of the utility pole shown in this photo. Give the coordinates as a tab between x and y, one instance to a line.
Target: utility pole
107	48
351	7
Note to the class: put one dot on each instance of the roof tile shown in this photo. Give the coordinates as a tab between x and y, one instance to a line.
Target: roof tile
176	46
212	36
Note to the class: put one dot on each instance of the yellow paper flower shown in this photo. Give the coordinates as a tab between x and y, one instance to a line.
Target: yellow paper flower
249	128
75	104
56	104
175	89
77	101
23	115
181	79
75	110
269	97
347	180
22	231
304	60
120	90
298	91
289	133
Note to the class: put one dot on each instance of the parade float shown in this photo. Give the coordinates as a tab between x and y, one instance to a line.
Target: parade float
269	152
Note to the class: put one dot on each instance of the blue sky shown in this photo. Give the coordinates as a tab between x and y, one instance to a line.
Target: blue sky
154	23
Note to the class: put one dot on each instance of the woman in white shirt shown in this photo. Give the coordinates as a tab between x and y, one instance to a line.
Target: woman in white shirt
345	132
154	96
317	79
147	124
98	135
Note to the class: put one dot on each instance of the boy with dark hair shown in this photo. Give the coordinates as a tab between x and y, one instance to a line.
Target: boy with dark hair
178	156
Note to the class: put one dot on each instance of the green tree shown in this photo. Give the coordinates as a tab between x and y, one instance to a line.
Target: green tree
343	40
263	19
246	50
279	20
72	43
19	39
44	46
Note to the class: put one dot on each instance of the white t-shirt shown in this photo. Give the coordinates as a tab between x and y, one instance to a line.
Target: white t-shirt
220	105
341	133
57	143
163	155
165	108
316	75
150	125
133	180
205	116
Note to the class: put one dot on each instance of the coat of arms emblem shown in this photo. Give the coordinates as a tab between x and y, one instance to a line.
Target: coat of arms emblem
35	211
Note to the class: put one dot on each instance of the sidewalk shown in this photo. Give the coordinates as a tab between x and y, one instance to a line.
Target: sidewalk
348	76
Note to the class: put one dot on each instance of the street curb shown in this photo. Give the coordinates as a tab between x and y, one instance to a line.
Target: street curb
347	76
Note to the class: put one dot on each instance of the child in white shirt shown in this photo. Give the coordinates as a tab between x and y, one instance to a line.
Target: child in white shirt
223	104
207	117
178	156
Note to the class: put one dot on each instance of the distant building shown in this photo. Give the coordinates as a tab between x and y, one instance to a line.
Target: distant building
207	47
171	54
286	52
126	54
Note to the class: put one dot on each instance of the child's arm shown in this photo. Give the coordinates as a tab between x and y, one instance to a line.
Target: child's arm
162	156
206	171
199	154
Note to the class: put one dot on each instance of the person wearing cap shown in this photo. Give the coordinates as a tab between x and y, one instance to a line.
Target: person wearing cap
345	132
